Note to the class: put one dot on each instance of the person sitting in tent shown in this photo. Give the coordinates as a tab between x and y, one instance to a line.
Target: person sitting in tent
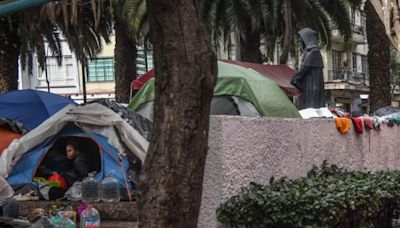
75	168
80	165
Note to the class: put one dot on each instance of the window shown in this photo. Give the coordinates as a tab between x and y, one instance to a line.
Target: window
101	70
336	60
354	62
58	75
353	16
364	65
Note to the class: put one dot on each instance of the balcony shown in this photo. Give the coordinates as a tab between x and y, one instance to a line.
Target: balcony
347	81
347	76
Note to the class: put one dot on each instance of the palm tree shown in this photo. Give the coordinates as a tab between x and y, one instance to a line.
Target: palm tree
378	60
129	24
265	18
82	23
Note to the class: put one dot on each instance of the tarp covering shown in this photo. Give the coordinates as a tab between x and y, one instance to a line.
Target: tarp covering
238	81
31	107
9	130
92	117
142	125
388	112
6	137
141	81
281	74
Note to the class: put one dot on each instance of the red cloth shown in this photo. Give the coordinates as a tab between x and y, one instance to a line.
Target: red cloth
59	178
358	126
368	123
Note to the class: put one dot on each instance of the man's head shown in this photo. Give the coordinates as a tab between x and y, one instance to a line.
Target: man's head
72	150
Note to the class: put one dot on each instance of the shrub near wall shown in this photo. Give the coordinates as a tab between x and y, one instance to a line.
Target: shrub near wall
327	197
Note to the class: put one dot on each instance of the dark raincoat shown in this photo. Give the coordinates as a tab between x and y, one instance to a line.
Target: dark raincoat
310	78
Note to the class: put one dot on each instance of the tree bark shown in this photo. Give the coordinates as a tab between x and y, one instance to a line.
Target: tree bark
170	186
125	62
9	54
378	60
250	47
288	32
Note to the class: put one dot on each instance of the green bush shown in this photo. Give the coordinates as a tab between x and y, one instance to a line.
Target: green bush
327	197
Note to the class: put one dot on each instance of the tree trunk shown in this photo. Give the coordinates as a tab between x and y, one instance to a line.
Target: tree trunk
250	47
378	60
170	185
9	54
287	41
125	63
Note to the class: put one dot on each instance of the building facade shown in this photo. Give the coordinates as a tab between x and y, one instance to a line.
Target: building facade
67	79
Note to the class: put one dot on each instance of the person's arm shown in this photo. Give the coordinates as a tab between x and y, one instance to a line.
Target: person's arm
82	168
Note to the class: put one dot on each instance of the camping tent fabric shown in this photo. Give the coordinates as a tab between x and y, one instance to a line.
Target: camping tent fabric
94	118
238	81
141	124
24	170
31	107
281	74
6	137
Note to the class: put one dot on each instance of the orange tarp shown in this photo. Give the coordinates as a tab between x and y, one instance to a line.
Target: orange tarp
6	137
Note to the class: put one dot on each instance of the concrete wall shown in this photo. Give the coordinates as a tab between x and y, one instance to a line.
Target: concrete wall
242	150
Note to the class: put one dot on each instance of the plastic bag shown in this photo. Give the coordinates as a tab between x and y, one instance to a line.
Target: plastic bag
74	193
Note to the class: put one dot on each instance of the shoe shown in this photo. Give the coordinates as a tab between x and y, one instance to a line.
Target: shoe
296	84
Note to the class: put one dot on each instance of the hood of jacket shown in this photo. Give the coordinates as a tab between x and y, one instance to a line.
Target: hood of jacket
309	38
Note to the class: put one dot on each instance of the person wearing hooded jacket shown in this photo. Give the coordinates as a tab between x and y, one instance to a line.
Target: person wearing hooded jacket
309	79
80	164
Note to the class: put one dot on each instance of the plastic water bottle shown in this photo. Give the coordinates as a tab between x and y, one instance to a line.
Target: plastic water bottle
90	189
90	218
109	189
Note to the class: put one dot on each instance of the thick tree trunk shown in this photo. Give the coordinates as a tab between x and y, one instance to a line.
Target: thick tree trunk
125	63
9	54
171	181
378	60
287	41
250	47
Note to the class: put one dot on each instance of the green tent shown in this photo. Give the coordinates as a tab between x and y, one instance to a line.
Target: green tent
239	91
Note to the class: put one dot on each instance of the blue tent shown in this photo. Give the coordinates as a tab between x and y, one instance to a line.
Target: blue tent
31	107
109	160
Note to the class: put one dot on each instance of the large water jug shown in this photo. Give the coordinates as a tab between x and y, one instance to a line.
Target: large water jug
90	189
109	189
90	218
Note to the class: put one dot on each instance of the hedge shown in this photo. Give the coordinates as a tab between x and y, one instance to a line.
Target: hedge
327	197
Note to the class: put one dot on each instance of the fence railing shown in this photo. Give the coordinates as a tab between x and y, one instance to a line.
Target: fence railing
350	76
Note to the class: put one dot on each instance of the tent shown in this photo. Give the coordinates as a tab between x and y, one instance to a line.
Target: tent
106	131
31	107
238	91
281	74
9	130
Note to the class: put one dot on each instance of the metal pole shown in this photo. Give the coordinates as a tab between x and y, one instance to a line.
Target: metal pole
47	76
145	56
83	63
84	82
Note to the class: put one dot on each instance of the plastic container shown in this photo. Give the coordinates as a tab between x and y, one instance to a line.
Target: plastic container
90	218
62	221
90	189
109	189
43	223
